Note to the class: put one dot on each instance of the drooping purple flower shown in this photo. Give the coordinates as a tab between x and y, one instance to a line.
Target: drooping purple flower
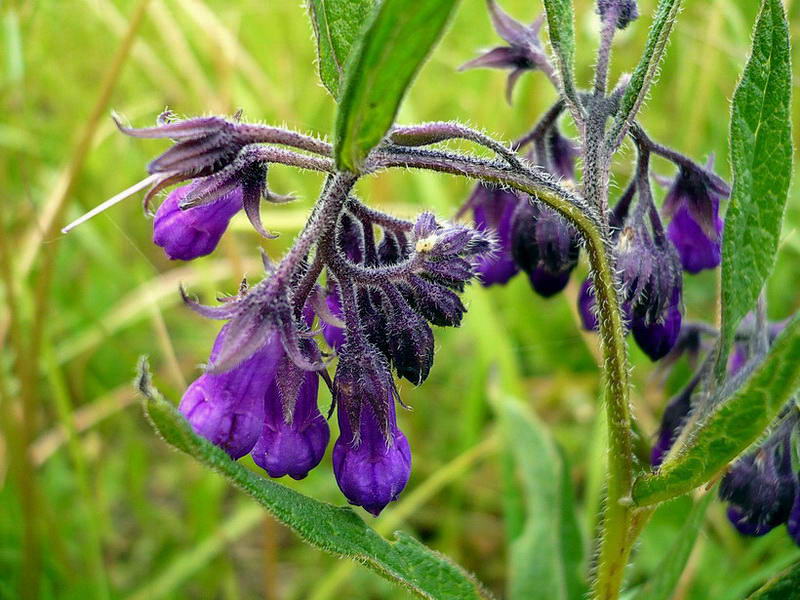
523	53
228	408
657	338
410	339
621	11
294	434
672	421
371	458
544	246
696	227
649	271
194	232
761	486
493	208
221	156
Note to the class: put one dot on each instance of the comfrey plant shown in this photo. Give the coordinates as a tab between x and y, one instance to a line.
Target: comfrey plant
360	290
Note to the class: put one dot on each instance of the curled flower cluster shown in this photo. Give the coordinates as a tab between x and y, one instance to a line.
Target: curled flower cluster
649	258
387	282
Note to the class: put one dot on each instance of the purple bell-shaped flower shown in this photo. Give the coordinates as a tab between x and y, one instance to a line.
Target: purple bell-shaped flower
228	408
696	227
294	434
371	458
185	234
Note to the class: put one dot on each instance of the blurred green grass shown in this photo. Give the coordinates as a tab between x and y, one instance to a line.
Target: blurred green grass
113	503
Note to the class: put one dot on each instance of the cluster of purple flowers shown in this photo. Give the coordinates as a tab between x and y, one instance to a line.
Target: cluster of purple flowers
387	281
533	238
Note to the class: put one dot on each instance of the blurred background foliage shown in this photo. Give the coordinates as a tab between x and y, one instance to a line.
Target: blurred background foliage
113	511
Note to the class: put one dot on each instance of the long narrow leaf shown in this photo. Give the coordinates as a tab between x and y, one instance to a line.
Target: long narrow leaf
561	28
337	24
390	52
732	426
645	71
761	158
337	530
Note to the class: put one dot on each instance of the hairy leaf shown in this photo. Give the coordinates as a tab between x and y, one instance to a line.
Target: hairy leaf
761	159
733	425
337	24
661	585
560	26
784	585
546	556
338	530
391	50
645	71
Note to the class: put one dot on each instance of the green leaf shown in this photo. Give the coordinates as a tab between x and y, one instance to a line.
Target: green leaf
662	585
546	556
560	26
731	426
338	530
784	585
392	49
645	71
337	24
761	159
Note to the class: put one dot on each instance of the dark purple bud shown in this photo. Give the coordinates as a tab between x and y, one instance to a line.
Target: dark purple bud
294	434
228	408
436	303
563	153
371	458
672	422
696	228
410	340
761	487
548	284
393	248
657	338
544	246
372	311
649	270
621	11
333	334
523	53
493	209
188	234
